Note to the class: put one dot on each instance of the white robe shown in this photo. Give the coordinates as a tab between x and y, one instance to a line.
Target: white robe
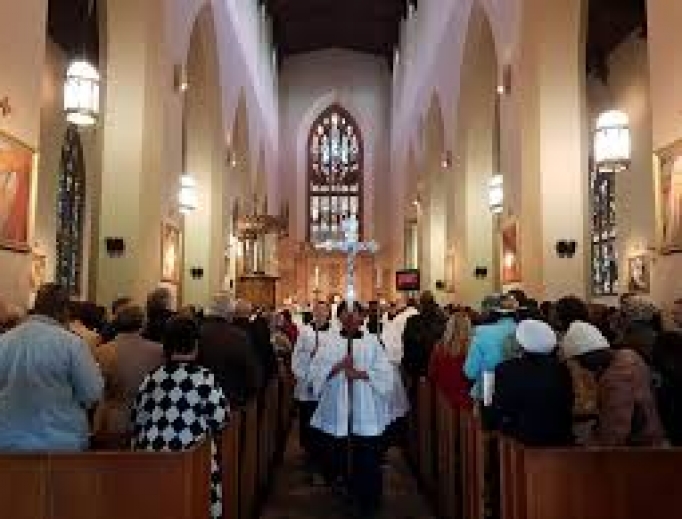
370	398
393	334
308	341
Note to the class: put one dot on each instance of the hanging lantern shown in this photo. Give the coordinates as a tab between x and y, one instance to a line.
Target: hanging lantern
496	194
612	139
187	197
81	94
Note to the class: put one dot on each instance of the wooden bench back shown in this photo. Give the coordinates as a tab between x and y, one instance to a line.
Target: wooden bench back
589	483
106	485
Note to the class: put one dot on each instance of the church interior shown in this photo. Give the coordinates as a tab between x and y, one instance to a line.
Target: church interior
222	150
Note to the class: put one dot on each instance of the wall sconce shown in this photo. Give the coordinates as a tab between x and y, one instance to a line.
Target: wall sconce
5	107
566	248
116	247
196	273
504	84
481	272
496	194
187	198
180	79
446	160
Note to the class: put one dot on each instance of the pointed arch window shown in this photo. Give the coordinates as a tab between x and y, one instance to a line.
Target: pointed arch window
335	173
70	212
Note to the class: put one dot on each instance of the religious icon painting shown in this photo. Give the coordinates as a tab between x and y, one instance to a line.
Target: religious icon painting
16	169
639	274
171	253
670	198
511	269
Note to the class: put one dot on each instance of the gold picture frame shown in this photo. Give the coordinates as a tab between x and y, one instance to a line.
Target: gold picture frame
171	253
17	171
667	166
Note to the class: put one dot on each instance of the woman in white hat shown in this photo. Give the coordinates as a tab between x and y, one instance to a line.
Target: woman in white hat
533	397
623	399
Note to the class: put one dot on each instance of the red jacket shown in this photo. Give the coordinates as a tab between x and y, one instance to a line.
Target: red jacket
446	372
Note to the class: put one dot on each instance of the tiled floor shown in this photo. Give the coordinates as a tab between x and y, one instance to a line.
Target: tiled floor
294	498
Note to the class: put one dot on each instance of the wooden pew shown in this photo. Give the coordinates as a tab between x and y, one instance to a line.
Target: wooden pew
578	483
106	485
448	473
248	461
472	445
229	451
425	431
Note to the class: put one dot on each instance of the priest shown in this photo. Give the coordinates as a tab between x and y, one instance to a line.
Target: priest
353	379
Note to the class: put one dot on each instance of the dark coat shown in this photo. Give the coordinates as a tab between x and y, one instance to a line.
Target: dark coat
422	332
259	333
533	400
227	351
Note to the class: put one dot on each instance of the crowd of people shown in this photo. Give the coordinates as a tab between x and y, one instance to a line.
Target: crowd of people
551	374
167	380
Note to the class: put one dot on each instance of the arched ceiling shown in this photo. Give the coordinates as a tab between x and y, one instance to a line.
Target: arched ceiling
371	26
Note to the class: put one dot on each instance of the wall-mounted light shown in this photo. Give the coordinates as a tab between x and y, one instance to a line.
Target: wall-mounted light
446	160
504	82
612	139
81	93
180	79
566	248
115	247
496	194
187	198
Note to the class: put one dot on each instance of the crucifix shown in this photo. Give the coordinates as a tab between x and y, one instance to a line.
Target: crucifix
351	246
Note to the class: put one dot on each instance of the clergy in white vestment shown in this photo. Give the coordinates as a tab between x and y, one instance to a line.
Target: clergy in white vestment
392	335
353	410
312	339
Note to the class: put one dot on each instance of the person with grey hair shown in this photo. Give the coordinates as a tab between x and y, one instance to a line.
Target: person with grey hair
228	352
158	313
48	379
124	363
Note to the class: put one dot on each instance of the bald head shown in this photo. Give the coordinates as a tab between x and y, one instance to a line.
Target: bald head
243	309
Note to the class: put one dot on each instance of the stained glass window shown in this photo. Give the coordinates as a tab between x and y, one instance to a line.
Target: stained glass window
604	249
335	173
70	212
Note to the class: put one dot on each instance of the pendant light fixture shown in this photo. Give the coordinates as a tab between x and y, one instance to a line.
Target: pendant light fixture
82	85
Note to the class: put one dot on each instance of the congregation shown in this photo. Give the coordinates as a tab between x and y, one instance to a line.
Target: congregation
553	374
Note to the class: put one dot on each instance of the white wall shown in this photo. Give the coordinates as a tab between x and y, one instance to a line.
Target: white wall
361	83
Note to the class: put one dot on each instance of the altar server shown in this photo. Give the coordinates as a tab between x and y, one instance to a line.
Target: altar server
312	339
354	379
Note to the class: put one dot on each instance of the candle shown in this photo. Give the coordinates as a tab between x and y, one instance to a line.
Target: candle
377	273
317	277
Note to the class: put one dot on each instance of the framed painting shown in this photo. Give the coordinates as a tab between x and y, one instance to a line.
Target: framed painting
668	180
16	171
639	274
171	253
511	269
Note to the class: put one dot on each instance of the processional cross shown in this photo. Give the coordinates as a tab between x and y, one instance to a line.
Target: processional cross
351	246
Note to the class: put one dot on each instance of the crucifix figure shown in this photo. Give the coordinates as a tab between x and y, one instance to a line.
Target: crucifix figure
351	246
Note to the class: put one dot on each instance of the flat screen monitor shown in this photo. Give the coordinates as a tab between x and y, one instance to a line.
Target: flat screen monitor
407	280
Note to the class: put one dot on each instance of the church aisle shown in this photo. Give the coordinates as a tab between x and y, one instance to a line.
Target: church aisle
294	498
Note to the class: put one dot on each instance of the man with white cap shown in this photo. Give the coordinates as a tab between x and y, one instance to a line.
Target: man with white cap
533	397
625	404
